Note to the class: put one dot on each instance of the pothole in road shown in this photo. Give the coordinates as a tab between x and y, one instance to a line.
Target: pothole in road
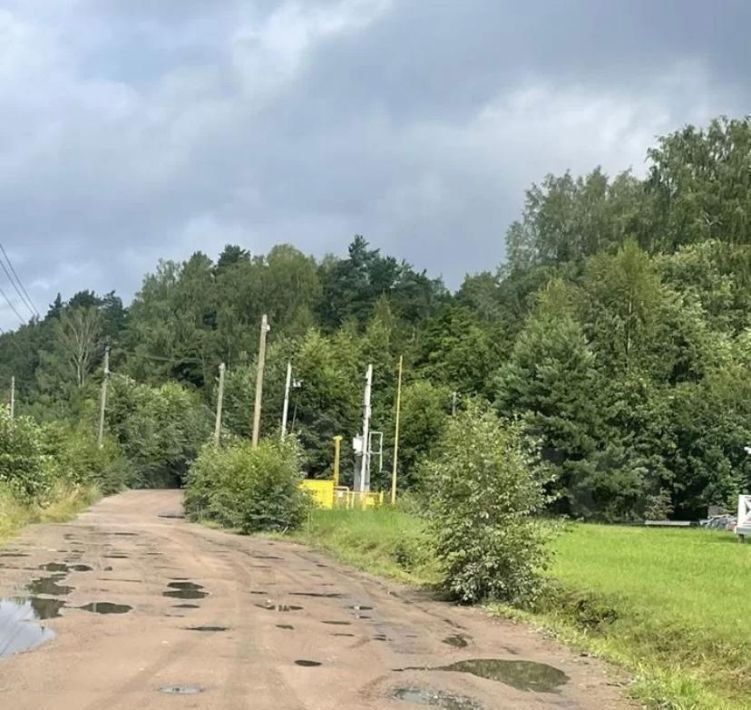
287	627
116	556
338	623
435	698
64	567
181	689
457	641
522	675
172	516
207	629
279	607
343	634
18	630
14	554
186	606
49	586
318	595
106	608
358	607
185	590
307	664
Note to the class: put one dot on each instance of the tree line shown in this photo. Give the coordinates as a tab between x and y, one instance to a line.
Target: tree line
615	337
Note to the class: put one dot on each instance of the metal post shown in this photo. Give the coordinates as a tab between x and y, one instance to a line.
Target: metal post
285	410
396	429
337	459
259	381
12	396
219	403
103	398
365	463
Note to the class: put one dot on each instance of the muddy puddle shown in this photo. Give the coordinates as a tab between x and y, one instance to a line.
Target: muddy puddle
522	675
457	641
435	698
185	590
49	586
64	567
279	607
206	629
19	630
106	608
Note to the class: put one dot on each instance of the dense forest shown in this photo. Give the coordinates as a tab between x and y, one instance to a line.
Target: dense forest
617	336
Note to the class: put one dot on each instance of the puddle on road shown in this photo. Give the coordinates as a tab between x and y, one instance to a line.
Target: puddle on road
457	641
338	623
319	595
288	627
106	608
522	675
358	607
185	590
435	698
307	664
181	689
49	586
18	630
186	606
117	556
124	534
65	567
279	607
206	628
266	557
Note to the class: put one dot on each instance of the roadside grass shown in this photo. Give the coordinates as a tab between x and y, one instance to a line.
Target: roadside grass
386	542
668	606
65	502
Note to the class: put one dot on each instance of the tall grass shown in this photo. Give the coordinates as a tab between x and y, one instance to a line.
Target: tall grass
386	542
63	503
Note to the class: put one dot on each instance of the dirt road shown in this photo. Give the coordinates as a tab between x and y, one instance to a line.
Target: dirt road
158	613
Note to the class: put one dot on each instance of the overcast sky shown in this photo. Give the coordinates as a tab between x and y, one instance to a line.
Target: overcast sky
137	129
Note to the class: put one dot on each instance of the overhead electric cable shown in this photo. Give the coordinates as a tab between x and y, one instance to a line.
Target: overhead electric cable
12	307
23	296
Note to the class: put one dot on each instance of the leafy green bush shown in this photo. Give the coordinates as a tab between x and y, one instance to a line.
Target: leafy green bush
160	430
248	488
24	465
78	459
483	497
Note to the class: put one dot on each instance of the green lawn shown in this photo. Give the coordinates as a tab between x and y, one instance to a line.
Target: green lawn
669	606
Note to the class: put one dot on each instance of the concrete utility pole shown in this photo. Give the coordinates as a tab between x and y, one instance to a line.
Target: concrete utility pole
103	399
285	410
12	396
365	463
259	380
219	402
396	429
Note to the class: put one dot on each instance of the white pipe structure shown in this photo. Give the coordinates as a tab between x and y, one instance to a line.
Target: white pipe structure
285	410
365	463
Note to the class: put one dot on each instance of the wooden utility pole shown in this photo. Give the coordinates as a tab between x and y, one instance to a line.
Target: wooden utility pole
12	396
337	459
259	381
285	410
103	398
396	429
219	402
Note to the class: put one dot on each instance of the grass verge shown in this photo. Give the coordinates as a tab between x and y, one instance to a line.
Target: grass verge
386	542
669	606
64	503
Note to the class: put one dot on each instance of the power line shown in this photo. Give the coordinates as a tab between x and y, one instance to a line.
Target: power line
23	296
13	308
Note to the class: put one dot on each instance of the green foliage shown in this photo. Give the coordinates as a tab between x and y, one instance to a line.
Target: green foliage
160	429
483	496
251	489
24	467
